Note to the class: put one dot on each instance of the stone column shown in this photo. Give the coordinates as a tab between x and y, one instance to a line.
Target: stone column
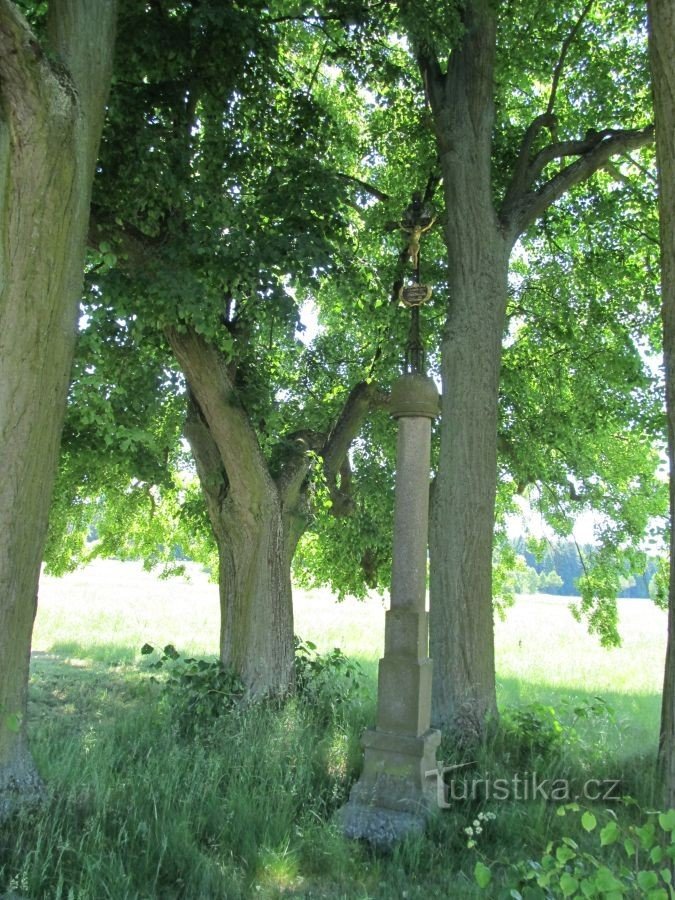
392	797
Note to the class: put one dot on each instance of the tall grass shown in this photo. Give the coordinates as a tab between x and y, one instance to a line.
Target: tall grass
243	806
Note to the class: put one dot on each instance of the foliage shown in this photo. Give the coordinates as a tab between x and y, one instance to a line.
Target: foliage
625	860
537	732
328	682
230	194
197	690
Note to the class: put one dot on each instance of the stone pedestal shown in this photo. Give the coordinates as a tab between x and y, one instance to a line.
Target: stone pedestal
392	798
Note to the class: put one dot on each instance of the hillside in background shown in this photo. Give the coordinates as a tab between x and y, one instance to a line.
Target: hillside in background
559	568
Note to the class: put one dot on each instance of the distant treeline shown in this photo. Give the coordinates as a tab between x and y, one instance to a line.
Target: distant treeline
560	567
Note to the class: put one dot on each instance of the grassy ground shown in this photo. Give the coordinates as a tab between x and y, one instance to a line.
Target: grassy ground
142	806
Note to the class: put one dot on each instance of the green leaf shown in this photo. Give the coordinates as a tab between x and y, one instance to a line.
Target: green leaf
629	847
656	854
606	881
667	875
568	884
564	855
647	880
667	820
482	874
609	834
588	821
147	649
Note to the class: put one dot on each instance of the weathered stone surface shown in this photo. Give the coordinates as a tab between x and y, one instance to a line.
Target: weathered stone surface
393	798
381	828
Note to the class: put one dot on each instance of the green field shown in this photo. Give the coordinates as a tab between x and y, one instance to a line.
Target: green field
242	806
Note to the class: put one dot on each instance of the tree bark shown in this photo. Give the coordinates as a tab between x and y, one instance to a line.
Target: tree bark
257	520
255	548
662	58
479	241
51	114
462	518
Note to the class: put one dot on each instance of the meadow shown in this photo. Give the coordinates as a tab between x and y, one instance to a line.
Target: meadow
148	802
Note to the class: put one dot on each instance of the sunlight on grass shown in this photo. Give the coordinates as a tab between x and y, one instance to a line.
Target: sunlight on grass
104	614
107	611
241	802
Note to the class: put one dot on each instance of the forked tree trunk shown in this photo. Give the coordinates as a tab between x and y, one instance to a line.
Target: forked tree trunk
257	520
254	571
662	56
51	115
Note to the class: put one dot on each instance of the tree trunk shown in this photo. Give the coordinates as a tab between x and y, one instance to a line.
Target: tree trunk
463	507
51	116
462	519
662	56
257	520
255	550
256	601
250	524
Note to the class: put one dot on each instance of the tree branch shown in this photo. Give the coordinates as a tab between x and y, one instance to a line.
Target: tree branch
519	181
332	448
81	35
296	467
567	43
206	373
363	398
594	151
212	475
432	76
364	185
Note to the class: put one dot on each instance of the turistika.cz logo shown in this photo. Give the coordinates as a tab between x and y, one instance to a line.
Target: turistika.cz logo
521	786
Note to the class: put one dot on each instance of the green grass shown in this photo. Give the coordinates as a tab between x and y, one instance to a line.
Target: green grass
243	808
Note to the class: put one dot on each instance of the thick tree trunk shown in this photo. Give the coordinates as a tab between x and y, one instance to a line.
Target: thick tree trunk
462	519
479	242
256	601
250	524
50	124
463	509
257	520
662	55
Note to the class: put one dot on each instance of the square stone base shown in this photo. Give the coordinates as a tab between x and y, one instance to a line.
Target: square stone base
392	798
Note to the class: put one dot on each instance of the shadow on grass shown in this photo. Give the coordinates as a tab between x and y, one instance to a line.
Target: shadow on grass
635	716
245	808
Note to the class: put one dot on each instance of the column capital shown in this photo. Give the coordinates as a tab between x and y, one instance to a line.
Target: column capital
414	394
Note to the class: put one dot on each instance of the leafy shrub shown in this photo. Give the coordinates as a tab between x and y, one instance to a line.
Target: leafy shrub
198	690
537	732
326	681
626	861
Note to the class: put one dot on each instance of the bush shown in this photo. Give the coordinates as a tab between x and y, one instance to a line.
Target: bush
622	861
198	691
326	681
